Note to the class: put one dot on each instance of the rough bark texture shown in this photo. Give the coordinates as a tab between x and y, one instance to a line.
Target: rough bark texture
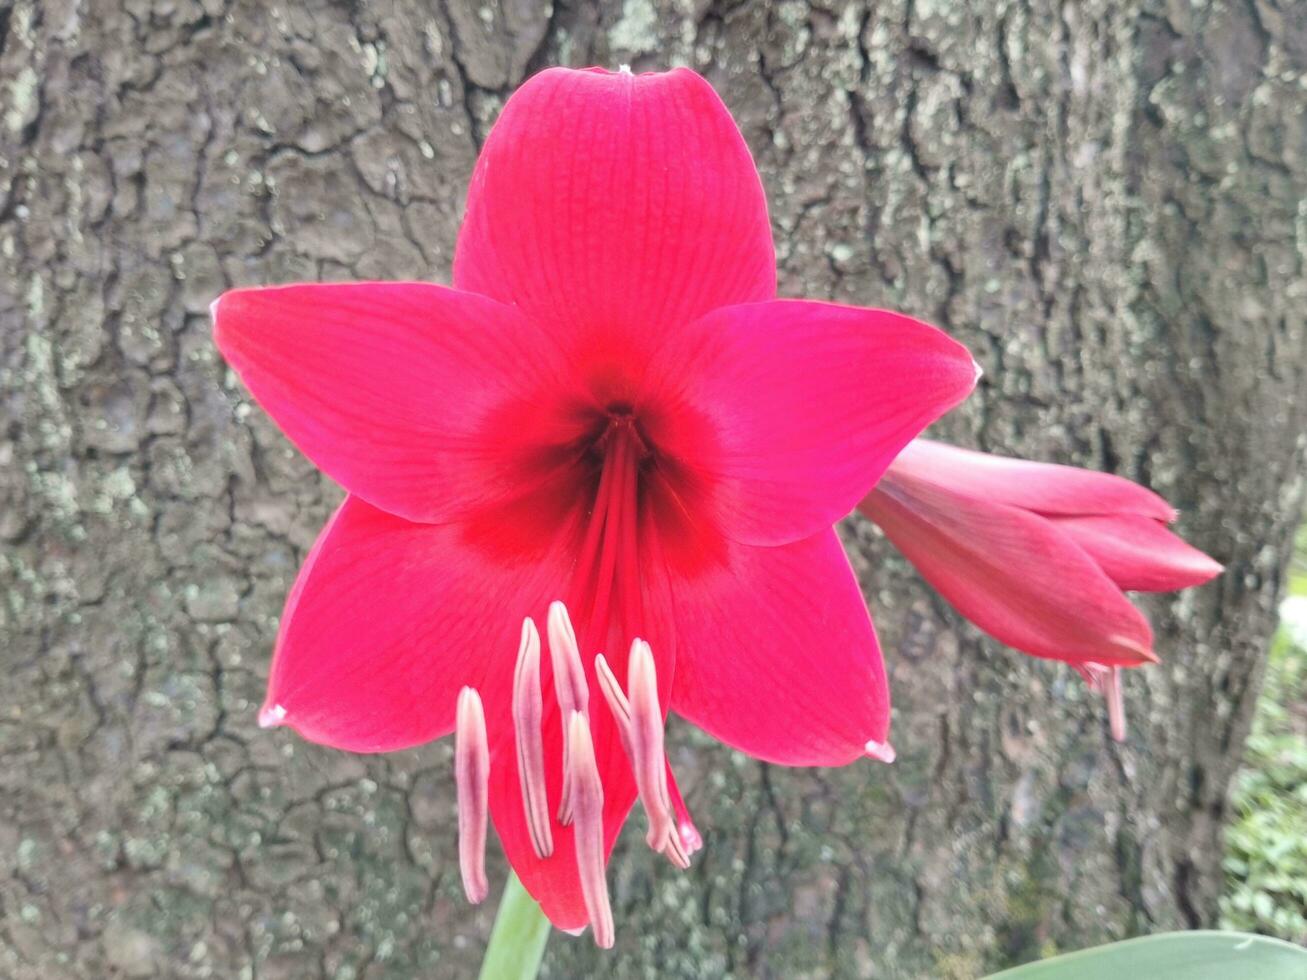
1103	199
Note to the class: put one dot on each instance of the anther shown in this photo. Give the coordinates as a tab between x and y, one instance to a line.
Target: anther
1107	682
570	688
588	810
880	751
472	776
647	758
1115	703
616	698
527	716
683	840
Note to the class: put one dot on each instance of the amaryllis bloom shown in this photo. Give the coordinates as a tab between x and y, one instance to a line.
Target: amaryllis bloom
1038	555
608	438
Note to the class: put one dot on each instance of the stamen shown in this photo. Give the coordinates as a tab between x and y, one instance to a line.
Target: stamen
880	751
1107	682
616	699
647	758
1115	703
684	840
570	688
472	776
527	716
588	809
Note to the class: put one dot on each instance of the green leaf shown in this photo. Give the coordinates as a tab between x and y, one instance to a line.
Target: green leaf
1174	956
517	941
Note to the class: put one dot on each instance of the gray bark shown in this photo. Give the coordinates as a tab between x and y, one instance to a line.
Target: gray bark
1103	199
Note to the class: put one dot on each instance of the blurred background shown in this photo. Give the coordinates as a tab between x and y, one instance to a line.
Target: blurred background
1104	200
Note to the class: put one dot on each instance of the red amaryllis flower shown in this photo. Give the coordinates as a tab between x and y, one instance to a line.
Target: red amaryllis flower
1037	555
611	425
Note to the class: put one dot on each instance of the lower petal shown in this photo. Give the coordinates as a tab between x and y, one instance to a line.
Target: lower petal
388	620
776	654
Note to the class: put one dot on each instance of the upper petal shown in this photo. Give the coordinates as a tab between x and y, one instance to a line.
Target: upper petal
776	655
1140	554
423	400
1014	574
784	414
1047	488
616	203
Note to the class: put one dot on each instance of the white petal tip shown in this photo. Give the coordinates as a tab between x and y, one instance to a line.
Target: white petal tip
979	372
271	716
574	932
213	309
624	69
880	751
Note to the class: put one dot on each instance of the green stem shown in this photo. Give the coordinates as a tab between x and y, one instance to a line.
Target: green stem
517	942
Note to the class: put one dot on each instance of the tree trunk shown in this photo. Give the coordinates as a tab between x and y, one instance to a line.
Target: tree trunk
1103	200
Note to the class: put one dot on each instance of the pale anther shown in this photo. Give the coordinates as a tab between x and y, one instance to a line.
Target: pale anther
472	777
528	713
647	758
616	698
683	840
570	688
1115	703
588	810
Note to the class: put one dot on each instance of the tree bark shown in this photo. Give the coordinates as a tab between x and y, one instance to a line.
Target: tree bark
1102	199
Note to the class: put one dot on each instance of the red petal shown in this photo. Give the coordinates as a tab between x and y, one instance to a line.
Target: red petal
786	413
422	400
388	620
1012	573
1140	554
614	202
1043	487
777	657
